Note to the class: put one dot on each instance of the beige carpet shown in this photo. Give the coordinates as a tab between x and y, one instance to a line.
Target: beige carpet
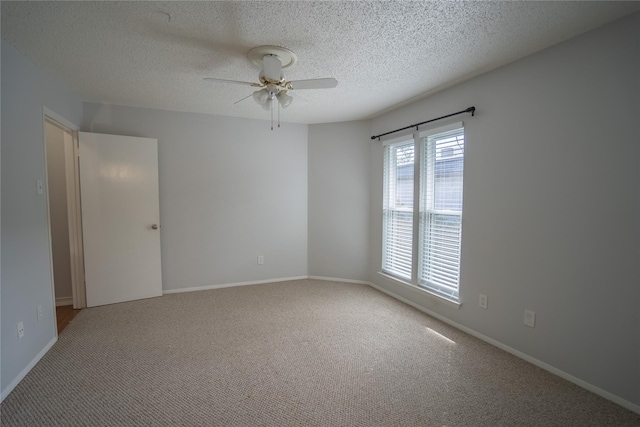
300	353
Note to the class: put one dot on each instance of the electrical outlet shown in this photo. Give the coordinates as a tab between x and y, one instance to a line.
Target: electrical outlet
39	313
483	301
530	318
20	329
260	259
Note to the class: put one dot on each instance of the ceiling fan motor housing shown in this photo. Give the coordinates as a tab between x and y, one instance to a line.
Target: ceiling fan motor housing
265	81
256	55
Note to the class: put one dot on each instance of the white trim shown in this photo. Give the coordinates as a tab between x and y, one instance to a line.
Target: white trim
27	368
61	120
592	388
399	137
64	301
337	279
74	215
230	285
440	128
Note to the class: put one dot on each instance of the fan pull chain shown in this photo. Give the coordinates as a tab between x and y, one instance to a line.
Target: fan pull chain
271	110
278	113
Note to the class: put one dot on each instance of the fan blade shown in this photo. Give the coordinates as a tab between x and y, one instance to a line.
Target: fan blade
248	96
272	67
327	83
236	82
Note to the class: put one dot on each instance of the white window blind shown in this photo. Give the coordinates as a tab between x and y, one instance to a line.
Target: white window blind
440	233
397	257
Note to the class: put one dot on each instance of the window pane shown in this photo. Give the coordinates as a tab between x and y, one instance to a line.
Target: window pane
398	209
398	242
447	175
440	268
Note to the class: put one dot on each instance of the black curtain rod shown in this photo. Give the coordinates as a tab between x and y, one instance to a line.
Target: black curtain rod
471	110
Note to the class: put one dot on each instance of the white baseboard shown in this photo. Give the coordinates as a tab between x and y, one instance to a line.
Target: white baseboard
337	279
26	369
230	285
64	301
600	392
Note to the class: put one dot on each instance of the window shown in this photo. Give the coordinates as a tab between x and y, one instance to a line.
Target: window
441	212
428	257
398	209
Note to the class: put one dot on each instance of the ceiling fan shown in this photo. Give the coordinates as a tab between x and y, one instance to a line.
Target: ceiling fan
273	87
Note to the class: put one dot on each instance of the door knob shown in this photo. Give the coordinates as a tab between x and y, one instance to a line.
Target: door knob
154	226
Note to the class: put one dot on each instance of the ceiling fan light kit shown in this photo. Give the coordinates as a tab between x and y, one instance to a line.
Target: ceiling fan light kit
267	105
273	86
284	99
261	96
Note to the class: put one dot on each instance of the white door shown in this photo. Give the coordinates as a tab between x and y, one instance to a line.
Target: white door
120	217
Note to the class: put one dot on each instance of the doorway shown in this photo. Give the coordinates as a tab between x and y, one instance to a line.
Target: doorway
63	208
119	215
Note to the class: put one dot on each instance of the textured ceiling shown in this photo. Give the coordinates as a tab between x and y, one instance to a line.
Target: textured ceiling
156	54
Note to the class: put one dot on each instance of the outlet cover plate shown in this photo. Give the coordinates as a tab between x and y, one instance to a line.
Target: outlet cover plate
483	301
530	318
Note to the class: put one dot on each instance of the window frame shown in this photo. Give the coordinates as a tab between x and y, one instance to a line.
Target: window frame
420	181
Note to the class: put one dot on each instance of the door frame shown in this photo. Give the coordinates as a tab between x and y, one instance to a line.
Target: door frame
74	217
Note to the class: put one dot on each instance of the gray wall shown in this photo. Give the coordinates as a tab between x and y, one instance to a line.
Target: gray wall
230	190
551	205
339	200
26	273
